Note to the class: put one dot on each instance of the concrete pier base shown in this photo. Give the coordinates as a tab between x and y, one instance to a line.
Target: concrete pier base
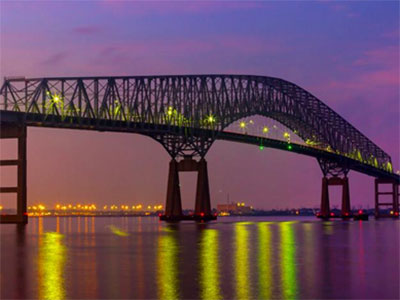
16	131
393	203
173	207
325	212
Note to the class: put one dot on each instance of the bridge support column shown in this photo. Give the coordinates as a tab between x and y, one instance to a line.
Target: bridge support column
325	212
173	207
203	204
394	193
16	131
346	210
325	208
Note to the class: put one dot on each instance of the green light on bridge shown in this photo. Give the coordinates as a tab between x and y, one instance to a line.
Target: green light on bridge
289	147
261	147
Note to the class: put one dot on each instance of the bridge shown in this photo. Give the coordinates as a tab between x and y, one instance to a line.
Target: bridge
186	114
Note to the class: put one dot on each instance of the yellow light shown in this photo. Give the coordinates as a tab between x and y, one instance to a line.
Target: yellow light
211	119
286	135
58	206
1	207
79	206
34	207
105	207
69	206
391	212
133	207
56	98
242	124
265	129
148	207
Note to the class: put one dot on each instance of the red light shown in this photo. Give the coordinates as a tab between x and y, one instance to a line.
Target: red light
346	214
332	214
159	215
25	213
360	212
202	214
215	214
396	213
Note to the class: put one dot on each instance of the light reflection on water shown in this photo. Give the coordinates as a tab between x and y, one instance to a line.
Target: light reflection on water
264	261
209	267
167	265
263	258
288	261
51	262
241	264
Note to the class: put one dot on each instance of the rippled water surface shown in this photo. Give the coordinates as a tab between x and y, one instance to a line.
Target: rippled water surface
233	258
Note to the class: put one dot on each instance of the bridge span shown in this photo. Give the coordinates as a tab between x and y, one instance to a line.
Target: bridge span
186	114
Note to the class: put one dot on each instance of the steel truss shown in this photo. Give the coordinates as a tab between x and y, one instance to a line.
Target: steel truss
191	102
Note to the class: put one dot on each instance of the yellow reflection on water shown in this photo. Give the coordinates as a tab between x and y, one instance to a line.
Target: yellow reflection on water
288	261
40	225
242	261
167	266
209	269
51	266
264	261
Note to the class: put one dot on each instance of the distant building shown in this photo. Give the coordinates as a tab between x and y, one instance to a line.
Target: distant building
234	208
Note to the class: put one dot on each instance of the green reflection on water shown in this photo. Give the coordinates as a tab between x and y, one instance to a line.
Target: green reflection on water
52	254
264	261
288	261
242	262
209	269
167	266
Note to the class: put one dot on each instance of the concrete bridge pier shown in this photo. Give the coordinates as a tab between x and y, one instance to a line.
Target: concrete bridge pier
203	204
393	204
16	131
173	207
325	212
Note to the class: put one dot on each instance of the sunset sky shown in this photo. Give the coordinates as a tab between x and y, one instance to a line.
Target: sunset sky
345	53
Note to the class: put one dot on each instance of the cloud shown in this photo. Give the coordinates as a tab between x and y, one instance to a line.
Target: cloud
167	7
87	30
55	59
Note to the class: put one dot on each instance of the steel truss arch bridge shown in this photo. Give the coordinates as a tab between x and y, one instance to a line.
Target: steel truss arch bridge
186	114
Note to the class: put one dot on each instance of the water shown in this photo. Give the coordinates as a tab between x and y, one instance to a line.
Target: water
233	258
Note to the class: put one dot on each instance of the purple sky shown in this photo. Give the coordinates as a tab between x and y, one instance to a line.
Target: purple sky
345	53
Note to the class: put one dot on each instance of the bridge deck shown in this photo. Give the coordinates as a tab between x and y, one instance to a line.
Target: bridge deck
52	121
